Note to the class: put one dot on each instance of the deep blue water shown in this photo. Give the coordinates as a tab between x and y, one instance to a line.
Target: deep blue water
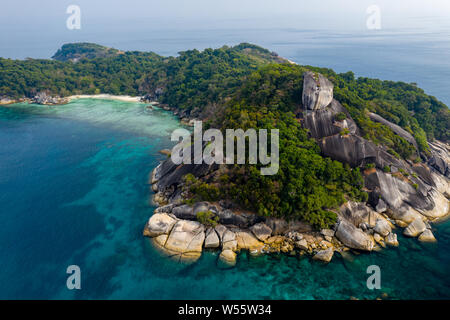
74	190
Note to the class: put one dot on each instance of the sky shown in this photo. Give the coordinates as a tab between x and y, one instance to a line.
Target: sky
28	27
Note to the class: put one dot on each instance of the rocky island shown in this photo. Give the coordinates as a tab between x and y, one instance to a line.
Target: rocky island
408	195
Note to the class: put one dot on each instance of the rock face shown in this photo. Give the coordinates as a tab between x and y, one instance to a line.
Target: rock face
415	228
440	159
322	122
317	91
358	213
229	241
353	237
229	217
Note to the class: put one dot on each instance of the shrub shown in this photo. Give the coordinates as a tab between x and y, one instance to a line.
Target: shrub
207	218
344	132
387	169
370	165
340	116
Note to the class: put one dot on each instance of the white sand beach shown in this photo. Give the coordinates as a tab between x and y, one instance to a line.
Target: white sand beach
105	96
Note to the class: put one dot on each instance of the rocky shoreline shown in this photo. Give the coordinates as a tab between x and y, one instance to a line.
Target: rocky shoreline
410	196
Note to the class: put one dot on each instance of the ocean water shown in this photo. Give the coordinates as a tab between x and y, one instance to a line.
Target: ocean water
74	190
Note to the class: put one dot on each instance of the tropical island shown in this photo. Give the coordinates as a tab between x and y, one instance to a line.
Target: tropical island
359	157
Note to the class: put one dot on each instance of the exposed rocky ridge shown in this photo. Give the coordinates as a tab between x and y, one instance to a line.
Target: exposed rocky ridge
397	129
409	196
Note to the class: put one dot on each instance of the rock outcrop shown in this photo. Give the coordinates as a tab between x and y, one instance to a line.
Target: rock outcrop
46	99
317	91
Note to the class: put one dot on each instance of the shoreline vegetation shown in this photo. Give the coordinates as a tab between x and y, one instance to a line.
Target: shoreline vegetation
359	157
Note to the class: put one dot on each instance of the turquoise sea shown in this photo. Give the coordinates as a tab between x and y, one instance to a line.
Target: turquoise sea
74	190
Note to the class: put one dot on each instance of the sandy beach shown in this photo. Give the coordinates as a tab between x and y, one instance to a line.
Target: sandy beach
105	96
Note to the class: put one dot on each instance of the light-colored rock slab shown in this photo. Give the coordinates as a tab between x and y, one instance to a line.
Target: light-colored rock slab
247	241
212	239
158	224
186	237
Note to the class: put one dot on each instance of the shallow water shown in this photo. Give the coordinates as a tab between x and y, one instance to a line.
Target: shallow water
74	190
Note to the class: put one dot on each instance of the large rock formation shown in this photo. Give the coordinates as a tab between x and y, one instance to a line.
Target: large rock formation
317	91
406	191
